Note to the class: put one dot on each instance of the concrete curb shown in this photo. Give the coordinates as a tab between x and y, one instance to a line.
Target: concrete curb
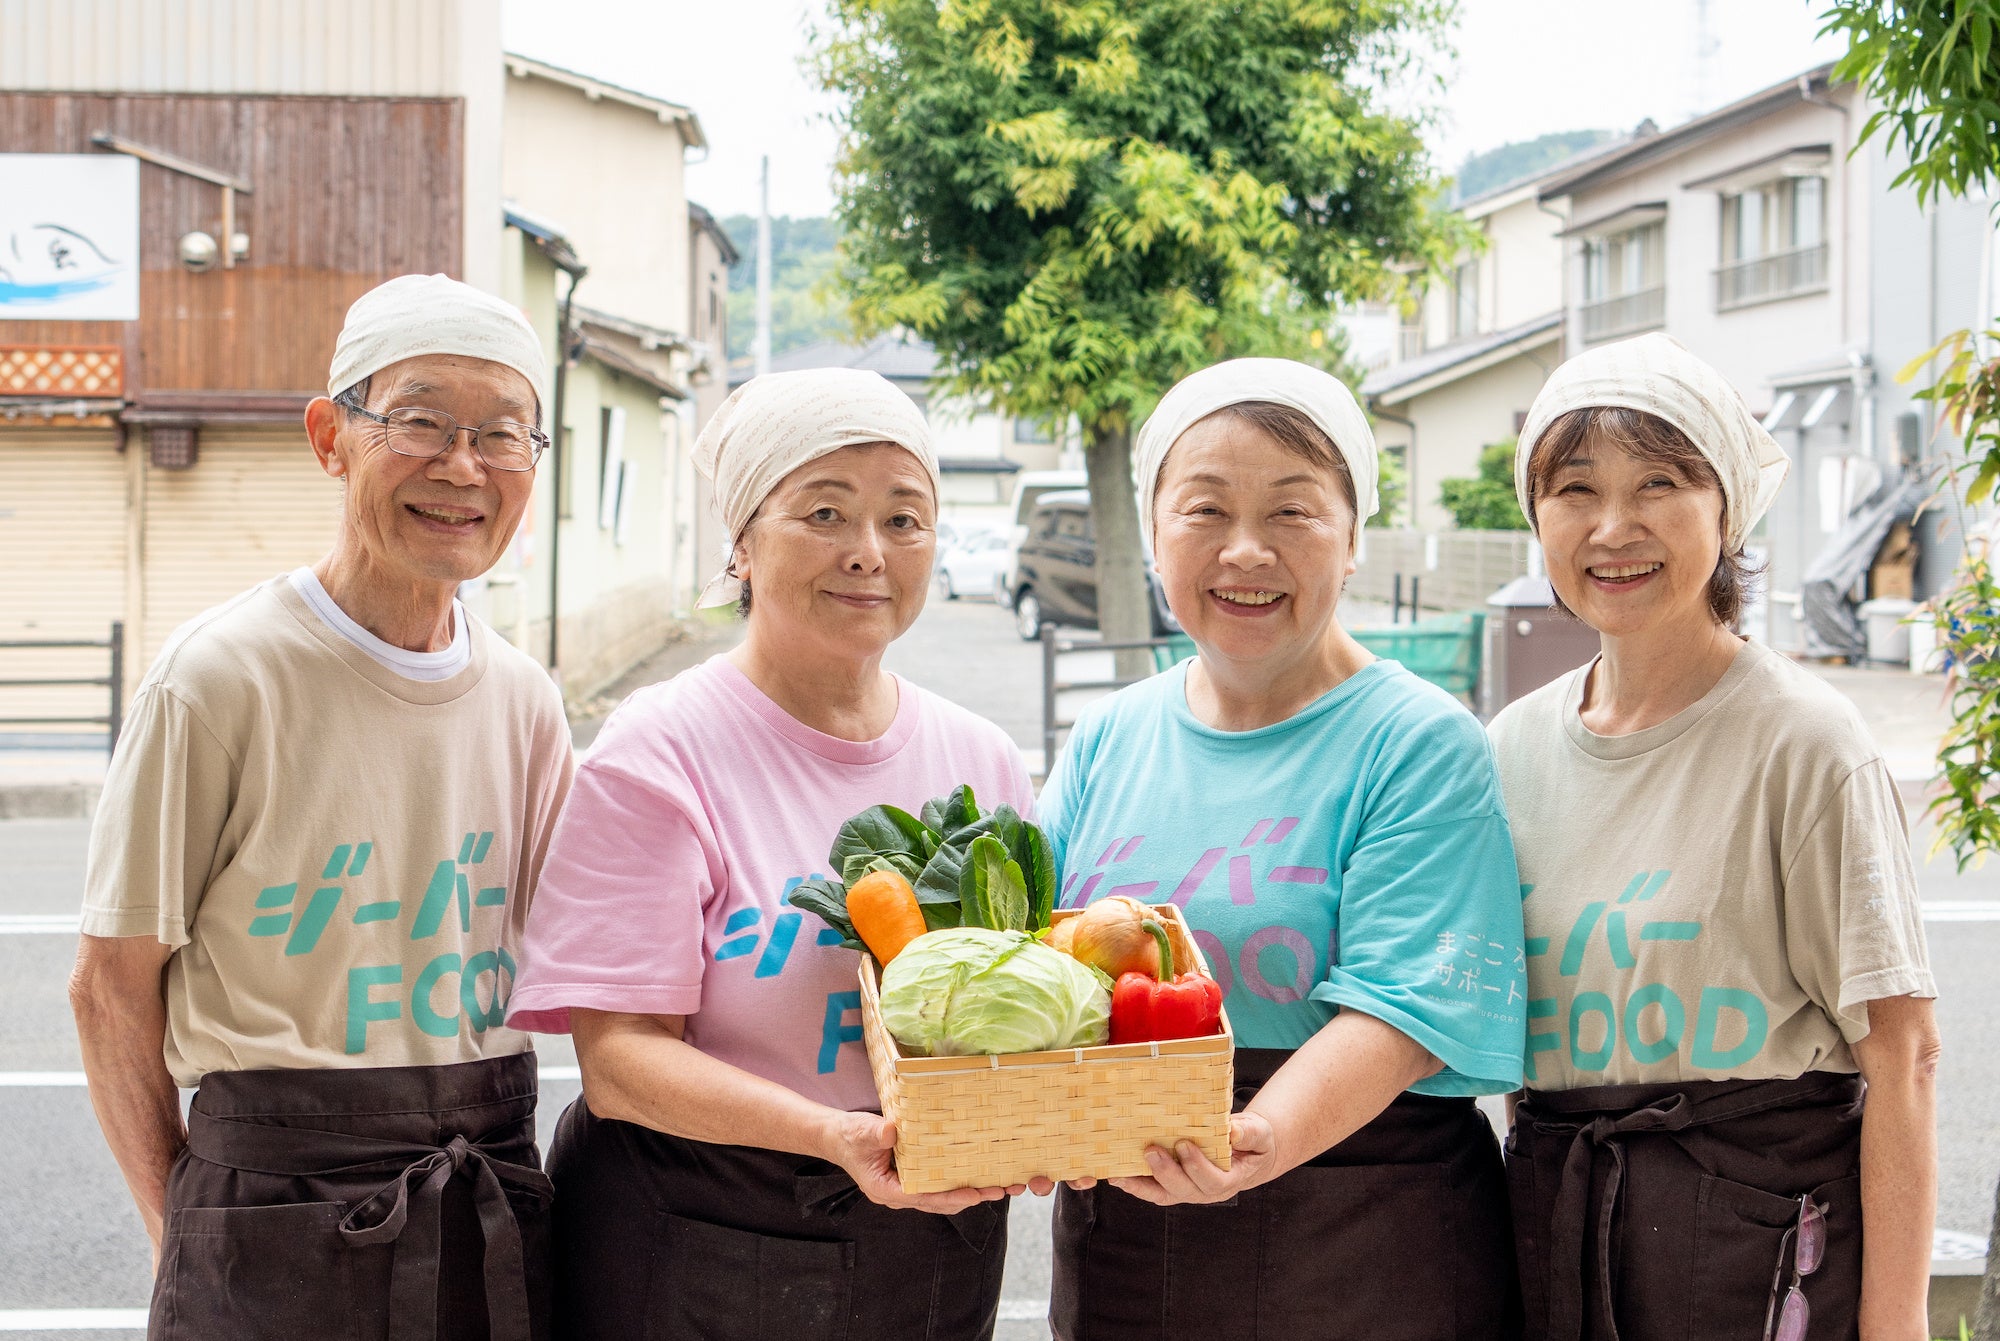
49	800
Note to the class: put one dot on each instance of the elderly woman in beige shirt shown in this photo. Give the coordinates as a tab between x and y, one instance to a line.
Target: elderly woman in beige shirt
1724	944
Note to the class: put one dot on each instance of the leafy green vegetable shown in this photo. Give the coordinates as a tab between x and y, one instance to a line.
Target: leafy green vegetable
828	898
972	992
994	871
882	834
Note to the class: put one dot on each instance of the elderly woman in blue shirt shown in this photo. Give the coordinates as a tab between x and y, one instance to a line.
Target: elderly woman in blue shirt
1330	827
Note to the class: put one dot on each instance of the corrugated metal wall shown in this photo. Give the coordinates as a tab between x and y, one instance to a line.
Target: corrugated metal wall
255	505
327	47
62	511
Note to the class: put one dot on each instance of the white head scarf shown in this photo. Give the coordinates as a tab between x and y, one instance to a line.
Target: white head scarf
1320	396
1656	373
772	425
413	315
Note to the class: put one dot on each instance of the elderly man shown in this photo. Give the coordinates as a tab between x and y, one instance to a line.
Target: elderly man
309	873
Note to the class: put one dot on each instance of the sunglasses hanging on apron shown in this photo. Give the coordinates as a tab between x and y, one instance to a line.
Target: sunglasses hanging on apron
1701	1210
663	1239
1399	1233
374	1204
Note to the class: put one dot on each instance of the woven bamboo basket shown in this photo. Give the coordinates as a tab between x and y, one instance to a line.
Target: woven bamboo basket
1077	1113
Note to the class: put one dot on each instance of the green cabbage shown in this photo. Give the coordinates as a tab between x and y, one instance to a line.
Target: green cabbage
970	992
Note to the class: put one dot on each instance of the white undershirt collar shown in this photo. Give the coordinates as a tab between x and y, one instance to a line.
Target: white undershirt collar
425	666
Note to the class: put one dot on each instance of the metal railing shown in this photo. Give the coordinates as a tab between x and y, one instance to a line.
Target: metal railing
113	720
1054	645
1763	279
1625	314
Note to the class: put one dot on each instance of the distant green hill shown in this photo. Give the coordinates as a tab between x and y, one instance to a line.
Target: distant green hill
1524	158
802	259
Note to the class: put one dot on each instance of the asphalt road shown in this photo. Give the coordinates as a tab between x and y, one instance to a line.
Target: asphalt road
69	1238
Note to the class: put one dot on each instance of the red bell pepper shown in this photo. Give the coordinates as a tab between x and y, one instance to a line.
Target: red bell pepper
1153	1010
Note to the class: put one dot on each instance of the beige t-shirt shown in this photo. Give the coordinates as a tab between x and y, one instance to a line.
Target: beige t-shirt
1714	898
341	857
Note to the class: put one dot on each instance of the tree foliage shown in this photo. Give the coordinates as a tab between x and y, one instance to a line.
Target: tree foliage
1930	67
1080	201
1486	501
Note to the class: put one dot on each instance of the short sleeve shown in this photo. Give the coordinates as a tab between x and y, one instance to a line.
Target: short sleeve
1853	925
1062	790
1429	924
159	823
617	921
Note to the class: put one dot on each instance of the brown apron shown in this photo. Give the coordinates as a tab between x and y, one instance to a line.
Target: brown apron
1659	1212
374	1204
660	1238
1399	1233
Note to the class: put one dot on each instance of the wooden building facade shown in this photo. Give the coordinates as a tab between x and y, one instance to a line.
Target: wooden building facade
152	468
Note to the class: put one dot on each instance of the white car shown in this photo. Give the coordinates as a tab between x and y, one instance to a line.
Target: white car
972	566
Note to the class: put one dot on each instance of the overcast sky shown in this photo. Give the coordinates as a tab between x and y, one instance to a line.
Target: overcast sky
1524	68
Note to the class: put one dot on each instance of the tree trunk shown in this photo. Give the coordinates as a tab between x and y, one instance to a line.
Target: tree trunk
1124	600
1986	1320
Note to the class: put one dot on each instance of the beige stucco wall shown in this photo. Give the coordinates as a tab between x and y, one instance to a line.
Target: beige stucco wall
1456	421
611	176
1520	270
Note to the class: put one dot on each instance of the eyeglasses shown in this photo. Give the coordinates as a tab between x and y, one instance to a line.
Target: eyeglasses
1786	1319
500	443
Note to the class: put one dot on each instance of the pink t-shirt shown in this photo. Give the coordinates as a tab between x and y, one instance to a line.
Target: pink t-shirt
701	805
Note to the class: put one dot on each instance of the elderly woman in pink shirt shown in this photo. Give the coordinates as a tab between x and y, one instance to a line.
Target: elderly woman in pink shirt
726	1173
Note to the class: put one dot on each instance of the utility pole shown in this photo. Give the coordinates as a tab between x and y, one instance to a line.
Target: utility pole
1707	54
762	346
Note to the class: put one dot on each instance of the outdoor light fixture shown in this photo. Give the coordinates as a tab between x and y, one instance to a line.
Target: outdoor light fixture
199	252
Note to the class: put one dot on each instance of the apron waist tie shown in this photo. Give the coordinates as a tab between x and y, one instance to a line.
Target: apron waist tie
256	1147
1602	1138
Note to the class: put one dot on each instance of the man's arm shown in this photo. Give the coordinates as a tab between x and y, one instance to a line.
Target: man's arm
116	992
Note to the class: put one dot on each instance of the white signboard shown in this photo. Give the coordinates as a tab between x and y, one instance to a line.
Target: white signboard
69	237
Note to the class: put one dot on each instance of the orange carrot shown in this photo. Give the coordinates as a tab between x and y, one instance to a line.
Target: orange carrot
885	913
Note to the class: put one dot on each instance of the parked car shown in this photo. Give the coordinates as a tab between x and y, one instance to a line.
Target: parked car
1055	570
971	565
1029	488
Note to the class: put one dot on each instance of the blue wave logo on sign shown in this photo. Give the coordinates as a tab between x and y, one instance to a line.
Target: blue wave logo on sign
48	263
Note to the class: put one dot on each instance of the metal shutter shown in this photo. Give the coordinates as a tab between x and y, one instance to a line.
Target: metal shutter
254	505
62	565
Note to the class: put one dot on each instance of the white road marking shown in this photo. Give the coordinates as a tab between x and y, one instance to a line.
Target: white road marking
72	1319
1963	910
39	924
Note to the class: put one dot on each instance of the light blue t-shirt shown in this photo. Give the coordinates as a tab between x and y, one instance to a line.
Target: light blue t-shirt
1355	854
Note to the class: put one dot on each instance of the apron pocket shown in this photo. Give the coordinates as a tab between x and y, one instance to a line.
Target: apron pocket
1365	1250
717	1283
252	1272
1738	1231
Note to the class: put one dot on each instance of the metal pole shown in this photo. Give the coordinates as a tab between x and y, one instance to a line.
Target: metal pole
1396	601
116	717
761	346
1416	606
1048	698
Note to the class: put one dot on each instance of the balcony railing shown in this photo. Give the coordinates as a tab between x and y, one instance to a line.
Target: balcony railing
1764	279
1409	342
1625	314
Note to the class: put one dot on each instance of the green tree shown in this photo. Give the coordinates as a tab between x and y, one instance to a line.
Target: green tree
1392	482
1079	201
1929	67
1486	501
